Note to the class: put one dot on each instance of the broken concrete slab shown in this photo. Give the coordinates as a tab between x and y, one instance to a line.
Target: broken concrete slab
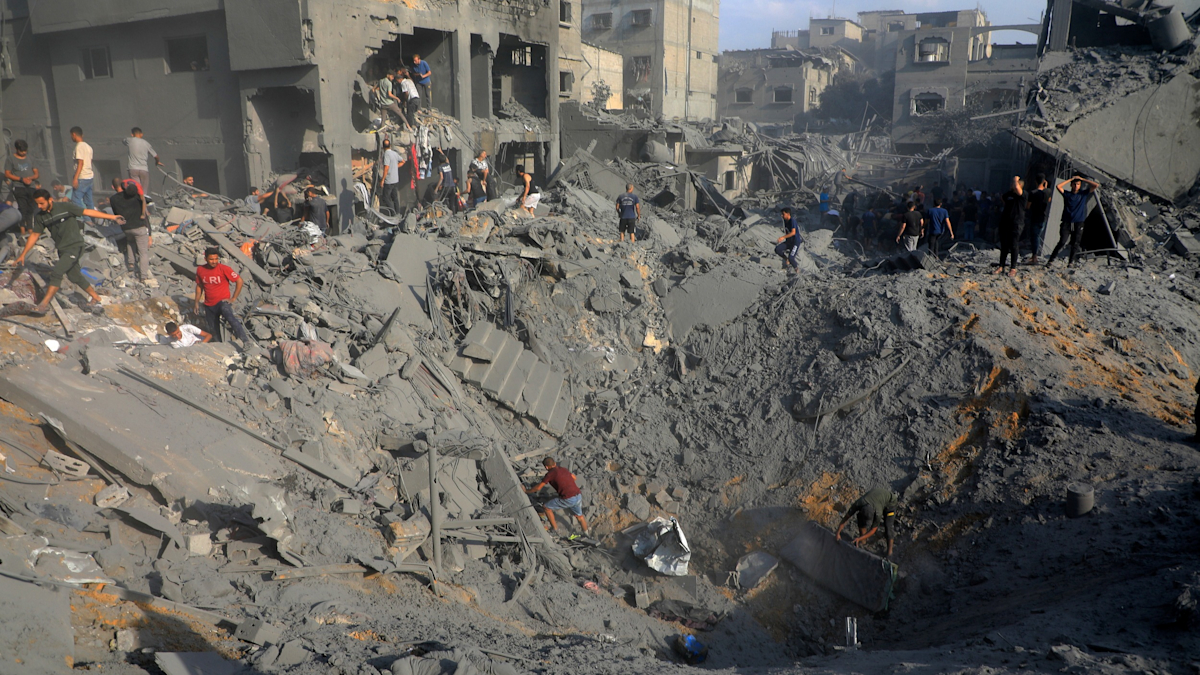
195	663
182	459
853	573
713	298
753	567
45	642
409	258
1140	139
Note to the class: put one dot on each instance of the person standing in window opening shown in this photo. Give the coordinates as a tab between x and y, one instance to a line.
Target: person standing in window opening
422	73
411	96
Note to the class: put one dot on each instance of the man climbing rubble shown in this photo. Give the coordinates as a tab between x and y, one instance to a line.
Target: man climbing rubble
529	197
1075	210
788	245
629	212
570	497
212	286
62	219
186	335
876	507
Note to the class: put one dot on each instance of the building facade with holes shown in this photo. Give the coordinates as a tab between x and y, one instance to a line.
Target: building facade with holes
234	93
669	49
772	86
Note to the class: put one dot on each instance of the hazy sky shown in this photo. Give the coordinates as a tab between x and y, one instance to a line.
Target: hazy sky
747	24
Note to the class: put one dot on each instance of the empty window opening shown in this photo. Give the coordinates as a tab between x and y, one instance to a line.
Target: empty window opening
826	30
924	104
783	95
730	180
566	81
642	17
812	96
96	63
189	54
744	96
283	126
933	50
564	12
601	21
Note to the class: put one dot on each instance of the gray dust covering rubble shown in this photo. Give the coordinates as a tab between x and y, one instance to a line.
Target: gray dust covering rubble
346	491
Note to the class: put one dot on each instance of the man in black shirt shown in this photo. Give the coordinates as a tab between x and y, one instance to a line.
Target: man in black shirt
127	203
788	245
911	227
316	209
877	507
1012	216
1039	202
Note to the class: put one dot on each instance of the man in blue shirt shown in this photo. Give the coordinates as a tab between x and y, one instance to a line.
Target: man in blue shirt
629	211
939	222
1075	210
421	73
788	245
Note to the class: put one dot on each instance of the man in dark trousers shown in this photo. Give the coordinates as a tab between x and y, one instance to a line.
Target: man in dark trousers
1012	216
1039	208
877	507
939	224
788	245
629	212
570	497
911	227
212	286
421	73
62	219
21	173
1075	210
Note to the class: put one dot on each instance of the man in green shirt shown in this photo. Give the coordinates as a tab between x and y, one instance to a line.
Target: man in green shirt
62	219
877	507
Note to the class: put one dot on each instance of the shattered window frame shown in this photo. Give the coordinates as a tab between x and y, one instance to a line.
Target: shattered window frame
927	103
181	51
827	30
941	53
743	95
87	67
790	97
522	56
602	21
640	66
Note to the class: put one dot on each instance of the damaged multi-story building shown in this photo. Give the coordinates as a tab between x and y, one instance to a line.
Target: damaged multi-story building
670	50
773	87
233	93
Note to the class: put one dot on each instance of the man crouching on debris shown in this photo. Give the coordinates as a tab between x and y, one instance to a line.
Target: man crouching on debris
62	219
878	505
570	497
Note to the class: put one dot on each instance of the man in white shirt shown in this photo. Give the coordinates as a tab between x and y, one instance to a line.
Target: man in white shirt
480	164
186	335
139	150
410	94
82	180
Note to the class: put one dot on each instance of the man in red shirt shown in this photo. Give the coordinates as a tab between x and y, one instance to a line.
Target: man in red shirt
569	495
212	285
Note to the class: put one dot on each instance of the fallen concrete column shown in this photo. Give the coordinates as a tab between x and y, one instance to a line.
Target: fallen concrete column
857	575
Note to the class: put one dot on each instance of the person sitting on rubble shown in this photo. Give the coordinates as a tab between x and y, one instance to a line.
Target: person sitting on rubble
629	212
877	507
570	497
481	166
212	286
130	205
911	227
529	198
62	219
186	335
788	245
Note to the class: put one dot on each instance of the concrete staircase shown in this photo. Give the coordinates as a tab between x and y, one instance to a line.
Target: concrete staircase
499	364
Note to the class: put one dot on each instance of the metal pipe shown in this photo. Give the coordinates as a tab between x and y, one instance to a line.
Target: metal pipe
435	509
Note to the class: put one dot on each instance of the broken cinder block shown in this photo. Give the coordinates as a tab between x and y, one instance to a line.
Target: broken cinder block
259	632
199	544
113	495
405	536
